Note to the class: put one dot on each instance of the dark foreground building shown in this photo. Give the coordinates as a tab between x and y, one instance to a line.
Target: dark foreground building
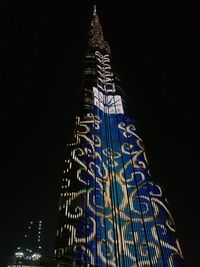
111	213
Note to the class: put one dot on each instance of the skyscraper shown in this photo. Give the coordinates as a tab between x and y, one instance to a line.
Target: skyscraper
111	213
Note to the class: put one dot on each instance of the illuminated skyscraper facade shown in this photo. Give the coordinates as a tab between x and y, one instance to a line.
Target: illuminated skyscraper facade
111	213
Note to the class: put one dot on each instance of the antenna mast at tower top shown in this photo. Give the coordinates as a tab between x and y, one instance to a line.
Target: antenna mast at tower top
95	10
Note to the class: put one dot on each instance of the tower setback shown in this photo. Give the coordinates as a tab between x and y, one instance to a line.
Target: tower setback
111	213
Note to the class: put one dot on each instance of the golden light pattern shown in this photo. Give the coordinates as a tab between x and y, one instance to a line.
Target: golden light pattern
115	213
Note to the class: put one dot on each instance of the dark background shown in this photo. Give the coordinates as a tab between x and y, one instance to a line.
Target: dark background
155	50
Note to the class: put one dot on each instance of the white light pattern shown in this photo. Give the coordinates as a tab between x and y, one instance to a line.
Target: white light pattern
111	104
19	254
36	256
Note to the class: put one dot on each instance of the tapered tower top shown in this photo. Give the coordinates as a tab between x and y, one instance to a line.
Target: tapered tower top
96	38
95	10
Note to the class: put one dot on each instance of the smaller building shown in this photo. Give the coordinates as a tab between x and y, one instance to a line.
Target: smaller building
25	258
30	259
29	252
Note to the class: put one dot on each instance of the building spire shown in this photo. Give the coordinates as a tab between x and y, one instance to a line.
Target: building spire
95	11
96	38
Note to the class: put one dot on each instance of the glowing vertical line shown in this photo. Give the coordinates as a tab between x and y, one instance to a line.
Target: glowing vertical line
105	222
86	209
94	132
114	116
115	193
106	139
111	181
111	187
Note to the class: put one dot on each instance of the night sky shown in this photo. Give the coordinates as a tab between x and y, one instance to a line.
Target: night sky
155	49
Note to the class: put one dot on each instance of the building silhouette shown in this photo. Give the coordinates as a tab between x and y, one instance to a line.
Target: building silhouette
111	213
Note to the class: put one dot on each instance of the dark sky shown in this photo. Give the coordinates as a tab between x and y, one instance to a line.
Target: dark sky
155	50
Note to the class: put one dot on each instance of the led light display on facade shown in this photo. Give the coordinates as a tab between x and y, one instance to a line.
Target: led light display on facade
111	213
